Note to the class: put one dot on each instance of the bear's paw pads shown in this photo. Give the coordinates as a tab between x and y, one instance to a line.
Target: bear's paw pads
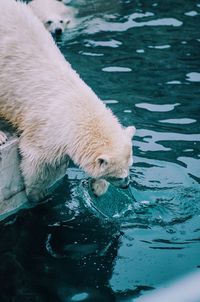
99	187
3	138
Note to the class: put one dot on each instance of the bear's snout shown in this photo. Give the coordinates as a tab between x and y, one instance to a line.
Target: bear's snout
58	31
125	182
122	183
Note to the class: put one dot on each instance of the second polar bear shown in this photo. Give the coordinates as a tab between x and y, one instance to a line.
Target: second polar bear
55	16
57	115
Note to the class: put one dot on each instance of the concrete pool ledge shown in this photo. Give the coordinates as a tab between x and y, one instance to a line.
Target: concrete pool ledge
12	194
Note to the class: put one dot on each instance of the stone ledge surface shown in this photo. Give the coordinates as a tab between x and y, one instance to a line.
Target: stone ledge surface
12	196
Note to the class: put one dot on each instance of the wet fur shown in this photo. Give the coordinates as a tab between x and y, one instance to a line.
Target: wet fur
56	113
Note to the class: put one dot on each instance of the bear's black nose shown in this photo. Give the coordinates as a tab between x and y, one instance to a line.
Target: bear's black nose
58	31
126	182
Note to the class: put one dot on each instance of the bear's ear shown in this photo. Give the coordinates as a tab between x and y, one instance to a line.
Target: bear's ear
67	21
130	131
103	160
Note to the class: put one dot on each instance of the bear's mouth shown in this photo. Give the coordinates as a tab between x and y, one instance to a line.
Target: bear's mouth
122	183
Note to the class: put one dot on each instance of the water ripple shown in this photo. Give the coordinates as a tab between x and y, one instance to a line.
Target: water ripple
100	25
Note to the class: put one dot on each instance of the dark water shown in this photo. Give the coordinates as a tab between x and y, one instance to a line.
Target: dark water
142	59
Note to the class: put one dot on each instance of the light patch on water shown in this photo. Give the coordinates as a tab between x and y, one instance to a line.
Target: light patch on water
127	111
164	22
116	69
149	145
188	150
183	42
198	40
140	15
79	297
186	289
174	82
192	13
181	121
193	76
111	101
100	25
91	54
111	43
167	136
159	46
151	139
193	165
157	107
140	50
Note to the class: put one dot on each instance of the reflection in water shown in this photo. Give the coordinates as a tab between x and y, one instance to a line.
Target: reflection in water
144	63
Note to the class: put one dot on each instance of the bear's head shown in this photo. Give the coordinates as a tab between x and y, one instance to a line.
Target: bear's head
113	160
56	24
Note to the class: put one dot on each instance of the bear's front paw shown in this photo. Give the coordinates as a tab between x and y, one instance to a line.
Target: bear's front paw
99	186
34	195
3	138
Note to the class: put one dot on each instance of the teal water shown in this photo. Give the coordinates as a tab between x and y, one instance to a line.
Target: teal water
142	59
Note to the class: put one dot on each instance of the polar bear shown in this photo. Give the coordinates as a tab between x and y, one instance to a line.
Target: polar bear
55	16
57	115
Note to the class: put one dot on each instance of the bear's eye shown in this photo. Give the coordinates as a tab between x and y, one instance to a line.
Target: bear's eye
49	22
61	21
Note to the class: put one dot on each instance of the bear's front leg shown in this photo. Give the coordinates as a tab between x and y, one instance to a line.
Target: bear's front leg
34	179
3	138
99	186
39	177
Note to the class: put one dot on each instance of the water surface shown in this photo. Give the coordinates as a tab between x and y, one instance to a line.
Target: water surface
142	59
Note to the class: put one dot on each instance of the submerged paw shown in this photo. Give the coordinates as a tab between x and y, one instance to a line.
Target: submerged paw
99	187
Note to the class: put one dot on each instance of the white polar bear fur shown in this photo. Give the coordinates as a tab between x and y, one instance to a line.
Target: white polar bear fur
55	112
3	138
53	14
